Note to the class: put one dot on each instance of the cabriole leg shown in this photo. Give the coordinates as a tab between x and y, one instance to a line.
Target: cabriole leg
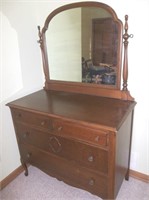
25	167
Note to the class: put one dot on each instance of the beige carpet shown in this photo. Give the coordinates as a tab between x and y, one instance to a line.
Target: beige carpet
39	186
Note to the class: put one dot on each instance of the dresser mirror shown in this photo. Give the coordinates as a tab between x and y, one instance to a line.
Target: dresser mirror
81	45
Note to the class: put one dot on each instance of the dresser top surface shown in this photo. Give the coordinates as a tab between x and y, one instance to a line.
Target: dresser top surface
91	109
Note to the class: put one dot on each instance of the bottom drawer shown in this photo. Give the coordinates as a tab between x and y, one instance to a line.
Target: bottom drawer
66	171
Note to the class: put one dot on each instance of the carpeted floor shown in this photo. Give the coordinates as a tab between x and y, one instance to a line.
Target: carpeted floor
39	186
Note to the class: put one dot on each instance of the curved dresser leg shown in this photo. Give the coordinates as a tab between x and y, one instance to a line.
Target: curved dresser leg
25	167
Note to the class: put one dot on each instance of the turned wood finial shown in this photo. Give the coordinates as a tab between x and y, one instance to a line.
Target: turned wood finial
40	35
125	62
42	46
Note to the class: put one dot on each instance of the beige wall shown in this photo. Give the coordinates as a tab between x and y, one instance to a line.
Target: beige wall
21	70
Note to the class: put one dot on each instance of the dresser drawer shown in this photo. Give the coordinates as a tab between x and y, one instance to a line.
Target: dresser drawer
94	136
32	119
74	151
61	127
69	172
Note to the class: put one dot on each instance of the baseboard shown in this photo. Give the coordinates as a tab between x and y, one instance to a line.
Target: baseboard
11	177
19	170
139	176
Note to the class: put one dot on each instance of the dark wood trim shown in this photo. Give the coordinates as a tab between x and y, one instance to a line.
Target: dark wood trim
77	5
91	90
20	169
11	177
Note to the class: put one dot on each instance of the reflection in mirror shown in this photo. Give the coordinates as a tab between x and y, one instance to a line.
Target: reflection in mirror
82	46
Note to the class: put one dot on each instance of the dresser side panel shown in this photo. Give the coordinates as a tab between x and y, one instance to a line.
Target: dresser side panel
123	145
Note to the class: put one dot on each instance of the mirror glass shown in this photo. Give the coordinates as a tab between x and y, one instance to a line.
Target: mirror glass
82	46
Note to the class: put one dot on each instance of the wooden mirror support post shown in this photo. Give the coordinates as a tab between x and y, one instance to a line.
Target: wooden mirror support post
126	36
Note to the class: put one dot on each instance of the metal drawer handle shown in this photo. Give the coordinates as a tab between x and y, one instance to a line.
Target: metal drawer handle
97	138
59	146
25	135
91	182
18	115
28	155
60	128
90	158
42	123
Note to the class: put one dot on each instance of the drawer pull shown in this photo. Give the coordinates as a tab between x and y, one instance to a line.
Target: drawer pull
18	115
55	144
28	155
90	158
42	123
91	182
97	138
25	135
60	128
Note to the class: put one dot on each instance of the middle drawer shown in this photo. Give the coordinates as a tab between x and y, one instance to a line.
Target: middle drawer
72	150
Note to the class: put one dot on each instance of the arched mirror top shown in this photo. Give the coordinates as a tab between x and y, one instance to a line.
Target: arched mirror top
90	4
81	46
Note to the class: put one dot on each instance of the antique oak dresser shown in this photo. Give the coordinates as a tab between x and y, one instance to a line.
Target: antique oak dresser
79	130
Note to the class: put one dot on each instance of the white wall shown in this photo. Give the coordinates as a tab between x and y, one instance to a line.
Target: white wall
64	38
21	69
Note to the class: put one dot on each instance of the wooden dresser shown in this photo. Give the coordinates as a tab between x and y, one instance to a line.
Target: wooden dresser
80	139
79	130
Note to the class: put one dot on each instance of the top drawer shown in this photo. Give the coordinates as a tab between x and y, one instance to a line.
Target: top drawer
63	128
32	119
81	132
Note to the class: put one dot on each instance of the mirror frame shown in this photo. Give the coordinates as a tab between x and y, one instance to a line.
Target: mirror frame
113	91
